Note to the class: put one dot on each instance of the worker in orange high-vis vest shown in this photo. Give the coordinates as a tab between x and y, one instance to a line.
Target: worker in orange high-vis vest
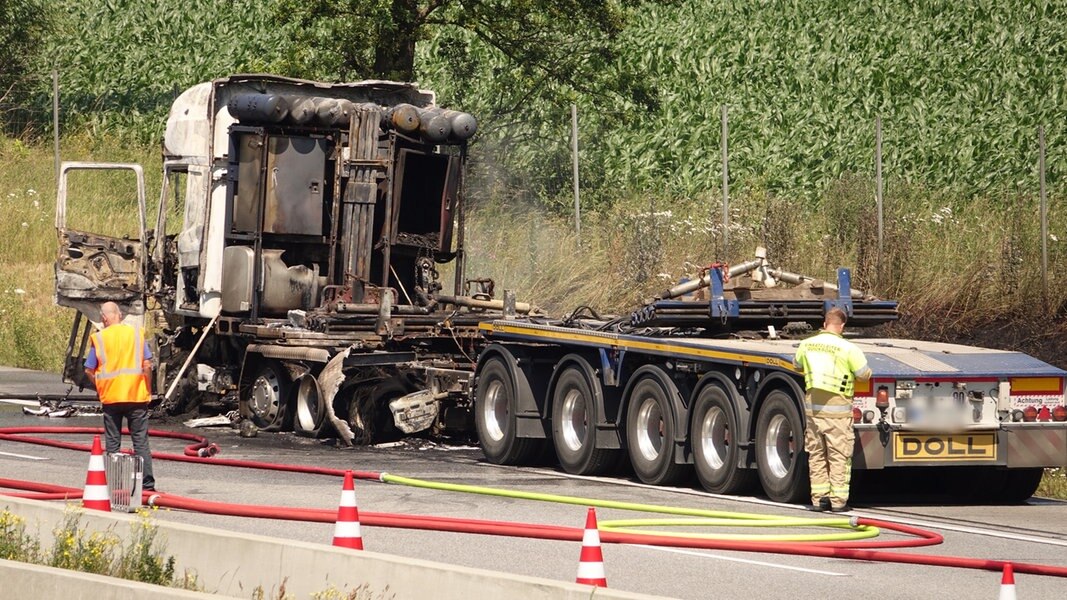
120	365
831	366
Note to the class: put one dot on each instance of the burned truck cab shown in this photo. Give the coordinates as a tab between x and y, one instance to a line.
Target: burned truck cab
333	199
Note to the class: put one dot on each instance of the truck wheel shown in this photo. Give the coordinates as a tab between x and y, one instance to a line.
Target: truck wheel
783	466
650	434
574	416
309	419
1020	485
715	436
495	407
266	399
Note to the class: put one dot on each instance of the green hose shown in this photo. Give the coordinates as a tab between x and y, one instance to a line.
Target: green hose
708	518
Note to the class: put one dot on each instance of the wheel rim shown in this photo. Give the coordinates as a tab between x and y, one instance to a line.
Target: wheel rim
574	424
265	399
714	438
780	446
495	410
309	407
649	429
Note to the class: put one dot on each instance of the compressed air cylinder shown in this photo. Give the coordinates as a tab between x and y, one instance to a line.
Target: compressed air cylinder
464	125
333	113
302	109
263	108
434	126
404	118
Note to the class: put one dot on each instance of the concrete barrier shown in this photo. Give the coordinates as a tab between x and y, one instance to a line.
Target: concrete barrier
235	564
34	581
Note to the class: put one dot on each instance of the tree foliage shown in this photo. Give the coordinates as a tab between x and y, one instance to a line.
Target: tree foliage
349	39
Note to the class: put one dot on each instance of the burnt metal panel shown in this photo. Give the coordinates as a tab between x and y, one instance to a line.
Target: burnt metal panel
249	194
296	172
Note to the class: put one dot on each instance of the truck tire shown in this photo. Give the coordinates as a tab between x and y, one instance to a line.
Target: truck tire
1020	485
495	408
992	485
783	464
309	418
714	435
265	401
650	434
574	417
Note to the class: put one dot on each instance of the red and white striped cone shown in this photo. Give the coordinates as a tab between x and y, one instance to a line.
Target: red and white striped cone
95	495
591	561
346	532
1007	583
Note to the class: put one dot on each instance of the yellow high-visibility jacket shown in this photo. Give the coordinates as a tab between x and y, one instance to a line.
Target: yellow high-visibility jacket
119	373
831	363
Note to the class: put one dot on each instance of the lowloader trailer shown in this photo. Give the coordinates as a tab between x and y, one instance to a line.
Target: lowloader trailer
708	384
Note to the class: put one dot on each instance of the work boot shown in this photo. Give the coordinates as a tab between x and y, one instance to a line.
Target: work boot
840	509
822	506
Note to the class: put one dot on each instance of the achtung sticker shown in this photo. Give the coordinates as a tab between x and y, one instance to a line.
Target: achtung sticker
962	447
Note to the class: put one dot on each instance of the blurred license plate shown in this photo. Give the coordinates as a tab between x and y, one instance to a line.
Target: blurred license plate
963	446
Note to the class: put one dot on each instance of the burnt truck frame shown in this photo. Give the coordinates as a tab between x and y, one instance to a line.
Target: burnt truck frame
293	267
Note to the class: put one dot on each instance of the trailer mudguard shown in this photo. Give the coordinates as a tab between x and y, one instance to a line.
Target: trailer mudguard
530	423
744	416
681	412
607	403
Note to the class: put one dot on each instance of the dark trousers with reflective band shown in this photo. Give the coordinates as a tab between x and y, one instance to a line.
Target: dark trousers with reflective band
136	415
829	441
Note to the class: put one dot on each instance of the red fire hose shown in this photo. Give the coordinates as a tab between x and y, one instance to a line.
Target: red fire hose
852	550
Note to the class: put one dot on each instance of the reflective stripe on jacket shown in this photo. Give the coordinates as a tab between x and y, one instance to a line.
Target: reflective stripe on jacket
119	373
823	404
830	363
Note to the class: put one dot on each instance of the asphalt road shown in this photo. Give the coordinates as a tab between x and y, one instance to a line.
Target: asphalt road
1035	532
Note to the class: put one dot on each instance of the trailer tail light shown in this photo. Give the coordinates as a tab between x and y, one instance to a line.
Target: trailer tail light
1059	413
881	399
868	416
1044	415
1029	414
857	415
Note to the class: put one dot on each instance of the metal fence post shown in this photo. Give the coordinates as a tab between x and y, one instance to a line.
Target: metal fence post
1044	215
55	120
725	187
574	153
878	188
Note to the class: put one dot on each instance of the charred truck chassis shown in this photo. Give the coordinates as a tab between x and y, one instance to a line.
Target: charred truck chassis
301	283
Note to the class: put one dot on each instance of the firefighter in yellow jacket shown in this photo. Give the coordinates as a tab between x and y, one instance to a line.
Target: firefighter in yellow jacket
120	366
831	366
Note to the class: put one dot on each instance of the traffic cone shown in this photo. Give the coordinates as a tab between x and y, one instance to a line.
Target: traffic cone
591	561
346	532
1007	583
95	495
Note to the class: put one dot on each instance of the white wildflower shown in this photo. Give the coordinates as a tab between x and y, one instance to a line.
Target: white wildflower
31	192
25	224
20	291
36	204
1052	236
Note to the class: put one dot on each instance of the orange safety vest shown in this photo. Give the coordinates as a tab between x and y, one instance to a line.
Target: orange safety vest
119	356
